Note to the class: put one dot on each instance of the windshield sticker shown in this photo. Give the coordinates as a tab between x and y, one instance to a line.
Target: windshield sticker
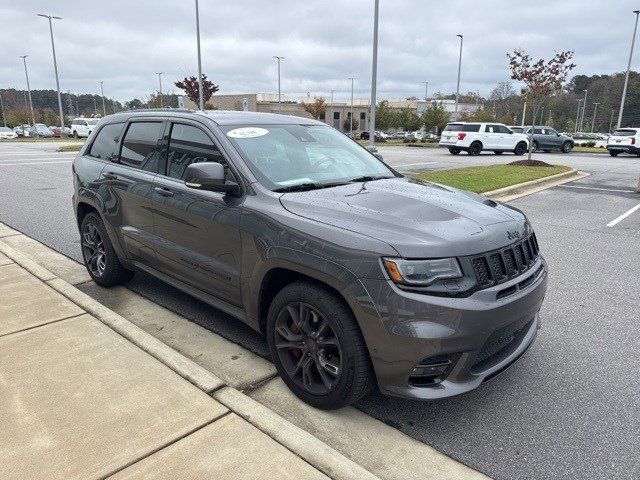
247	132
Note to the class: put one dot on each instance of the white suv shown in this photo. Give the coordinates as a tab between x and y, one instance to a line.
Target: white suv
624	140
473	138
82	127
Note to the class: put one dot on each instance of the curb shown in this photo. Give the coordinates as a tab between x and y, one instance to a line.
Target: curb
312	450
526	188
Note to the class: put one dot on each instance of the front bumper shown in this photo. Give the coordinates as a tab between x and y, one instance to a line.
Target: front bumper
483	334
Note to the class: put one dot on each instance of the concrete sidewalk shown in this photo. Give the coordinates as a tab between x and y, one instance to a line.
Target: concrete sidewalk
78	400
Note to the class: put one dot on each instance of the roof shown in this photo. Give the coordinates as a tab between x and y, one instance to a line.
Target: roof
222	117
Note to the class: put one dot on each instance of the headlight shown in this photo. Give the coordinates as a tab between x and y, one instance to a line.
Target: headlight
421	272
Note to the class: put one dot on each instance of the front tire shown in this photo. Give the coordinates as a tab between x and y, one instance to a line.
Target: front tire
100	258
475	149
317	347
534	146
566	147
614	153
520	149
454	151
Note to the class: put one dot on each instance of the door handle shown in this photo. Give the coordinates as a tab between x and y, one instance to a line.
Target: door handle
110	176
165	192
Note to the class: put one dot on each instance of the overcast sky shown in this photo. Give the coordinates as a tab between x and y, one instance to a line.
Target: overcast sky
323	41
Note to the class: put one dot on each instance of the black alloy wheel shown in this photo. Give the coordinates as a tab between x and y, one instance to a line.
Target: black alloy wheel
566	147
308	348
520	149
93	250
475	149
454	151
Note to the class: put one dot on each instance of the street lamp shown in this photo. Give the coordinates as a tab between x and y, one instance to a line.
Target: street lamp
374	80
584	109
351	113
595	109
55	64
104	108
2	110
331	109
160	82
626	78
279	59
33	117
455	115
200	94
578	114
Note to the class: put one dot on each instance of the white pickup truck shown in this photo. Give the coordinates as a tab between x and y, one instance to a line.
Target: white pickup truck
474	138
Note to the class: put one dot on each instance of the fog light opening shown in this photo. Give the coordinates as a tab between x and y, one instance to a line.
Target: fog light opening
432	370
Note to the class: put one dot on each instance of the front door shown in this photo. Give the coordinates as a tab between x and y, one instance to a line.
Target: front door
129	184
198	231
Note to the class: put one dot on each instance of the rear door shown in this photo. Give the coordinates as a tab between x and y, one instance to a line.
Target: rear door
198	231
129	182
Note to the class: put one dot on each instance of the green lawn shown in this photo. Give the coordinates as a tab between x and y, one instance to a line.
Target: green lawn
578	149
70	148
491	177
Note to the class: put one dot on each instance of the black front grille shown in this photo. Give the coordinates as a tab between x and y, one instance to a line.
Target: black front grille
499	341
498	266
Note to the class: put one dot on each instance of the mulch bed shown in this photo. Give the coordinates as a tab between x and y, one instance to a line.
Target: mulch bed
530	163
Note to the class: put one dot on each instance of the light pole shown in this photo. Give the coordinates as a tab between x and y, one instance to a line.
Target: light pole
24	60
104	108
331	108
200	94
351	110
595	109
584	109
578	115
160	82
374	80
455	115
611	121
279	59
626	78
2	110
524	112
55	64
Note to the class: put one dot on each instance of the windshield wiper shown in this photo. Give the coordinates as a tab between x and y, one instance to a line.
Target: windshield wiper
302	187
367	178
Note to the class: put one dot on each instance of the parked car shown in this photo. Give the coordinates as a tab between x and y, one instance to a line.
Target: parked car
546	138
22	130
474	138
82	127
624	140
379	136
287	225
40	130
7	134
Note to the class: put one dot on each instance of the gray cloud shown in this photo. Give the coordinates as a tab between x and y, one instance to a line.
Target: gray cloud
324	42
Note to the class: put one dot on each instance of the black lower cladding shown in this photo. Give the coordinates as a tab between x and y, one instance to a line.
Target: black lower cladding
498	266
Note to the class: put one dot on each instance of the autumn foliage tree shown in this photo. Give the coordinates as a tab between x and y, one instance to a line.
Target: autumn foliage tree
317	109
540	78
190	87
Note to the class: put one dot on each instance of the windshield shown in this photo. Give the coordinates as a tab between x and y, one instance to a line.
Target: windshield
624	133
93	122
5	129
289	155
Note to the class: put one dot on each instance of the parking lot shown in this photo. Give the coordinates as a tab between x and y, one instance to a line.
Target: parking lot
569	409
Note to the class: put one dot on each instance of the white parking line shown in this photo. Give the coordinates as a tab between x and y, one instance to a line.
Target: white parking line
399	165
623	216
33	163
33	159
597	188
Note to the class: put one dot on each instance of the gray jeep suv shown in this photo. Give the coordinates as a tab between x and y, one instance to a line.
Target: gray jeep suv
355	274
547	139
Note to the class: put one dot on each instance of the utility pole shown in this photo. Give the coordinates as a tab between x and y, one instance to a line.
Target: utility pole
351	113
611	121
455	115
160	82
524	112
578	115
200	93
2	110
626	78
55	64
584	109
595	109
279	59
104	108
33	117
374	79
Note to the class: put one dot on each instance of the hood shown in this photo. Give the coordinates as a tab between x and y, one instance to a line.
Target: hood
418	219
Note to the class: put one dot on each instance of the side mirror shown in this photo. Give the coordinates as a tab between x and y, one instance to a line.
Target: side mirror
209	176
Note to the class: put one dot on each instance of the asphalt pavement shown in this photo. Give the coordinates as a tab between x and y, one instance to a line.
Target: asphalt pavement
569	409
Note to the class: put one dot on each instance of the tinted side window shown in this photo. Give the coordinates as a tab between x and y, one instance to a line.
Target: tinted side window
471	128
139	146
504	129
105	146
537	131
188	145
492	129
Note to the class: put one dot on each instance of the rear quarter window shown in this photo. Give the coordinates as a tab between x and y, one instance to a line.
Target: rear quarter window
105	146
624	133
460	127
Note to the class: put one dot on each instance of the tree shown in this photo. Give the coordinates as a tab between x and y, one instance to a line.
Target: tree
190	87
482	115
541	78
317	109
134	104
435	116
384	116
347	124
406	119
